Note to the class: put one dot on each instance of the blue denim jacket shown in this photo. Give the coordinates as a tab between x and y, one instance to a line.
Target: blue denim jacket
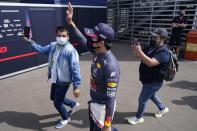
68	68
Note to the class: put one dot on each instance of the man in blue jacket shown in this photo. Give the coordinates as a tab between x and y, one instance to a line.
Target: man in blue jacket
105	72
63	70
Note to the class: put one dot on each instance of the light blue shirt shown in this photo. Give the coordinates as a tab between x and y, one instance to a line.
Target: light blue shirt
54	69
67	67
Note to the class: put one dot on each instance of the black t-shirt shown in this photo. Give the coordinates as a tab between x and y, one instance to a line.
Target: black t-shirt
177	31
153	74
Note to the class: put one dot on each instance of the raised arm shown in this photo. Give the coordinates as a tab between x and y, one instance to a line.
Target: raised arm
150	62
38	47
73	28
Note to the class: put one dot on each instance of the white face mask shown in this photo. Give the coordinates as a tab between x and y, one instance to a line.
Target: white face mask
62	40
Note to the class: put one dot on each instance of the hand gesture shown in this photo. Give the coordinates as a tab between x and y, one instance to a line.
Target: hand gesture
27	39
136	48
69	14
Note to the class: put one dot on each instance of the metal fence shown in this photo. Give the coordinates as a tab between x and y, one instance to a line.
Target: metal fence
135	18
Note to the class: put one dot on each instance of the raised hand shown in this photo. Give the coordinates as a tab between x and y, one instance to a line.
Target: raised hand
69	14
28	40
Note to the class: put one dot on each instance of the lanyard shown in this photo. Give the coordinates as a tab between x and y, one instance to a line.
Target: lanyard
151	50
55	56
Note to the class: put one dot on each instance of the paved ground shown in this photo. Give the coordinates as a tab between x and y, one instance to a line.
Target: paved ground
25	103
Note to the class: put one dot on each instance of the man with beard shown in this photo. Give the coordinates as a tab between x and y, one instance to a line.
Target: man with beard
153	59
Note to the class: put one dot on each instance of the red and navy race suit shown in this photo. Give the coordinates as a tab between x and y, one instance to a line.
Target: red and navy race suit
104	81
104	77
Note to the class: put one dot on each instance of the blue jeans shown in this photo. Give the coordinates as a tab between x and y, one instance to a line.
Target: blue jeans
58	93
149	92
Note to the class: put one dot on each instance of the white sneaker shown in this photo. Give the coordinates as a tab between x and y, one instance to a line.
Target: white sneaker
161	113
62	123
135	120
74	108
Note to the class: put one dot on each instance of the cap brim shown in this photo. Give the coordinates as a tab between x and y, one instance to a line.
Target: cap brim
90	32
153	33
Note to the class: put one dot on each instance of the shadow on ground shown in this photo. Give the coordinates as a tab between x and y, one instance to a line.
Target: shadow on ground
35	122
187	100
184	85
121	117
80	118
27	120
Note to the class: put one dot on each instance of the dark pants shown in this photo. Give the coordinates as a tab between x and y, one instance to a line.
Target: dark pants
94	127
175	40
58	93
149	92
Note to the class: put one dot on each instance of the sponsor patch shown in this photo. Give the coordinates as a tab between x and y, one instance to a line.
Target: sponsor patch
111	93
113	74
98	65
112	84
